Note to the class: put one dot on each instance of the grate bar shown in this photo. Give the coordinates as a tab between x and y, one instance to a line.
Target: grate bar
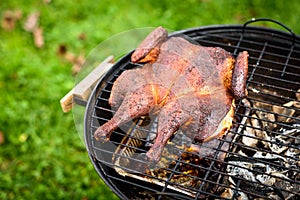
276	70
272	87
276	79
167	182
208	171
257	63
287	60
243	37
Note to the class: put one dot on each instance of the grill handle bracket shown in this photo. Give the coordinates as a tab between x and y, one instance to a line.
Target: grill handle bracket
253	20
82	91
280	24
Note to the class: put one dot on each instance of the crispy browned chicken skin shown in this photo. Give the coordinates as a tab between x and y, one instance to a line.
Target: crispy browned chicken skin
189	86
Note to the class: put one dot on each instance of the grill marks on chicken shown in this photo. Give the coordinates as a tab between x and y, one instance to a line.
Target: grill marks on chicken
193	88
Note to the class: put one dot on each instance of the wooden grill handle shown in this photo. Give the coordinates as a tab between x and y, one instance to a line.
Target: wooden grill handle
82	91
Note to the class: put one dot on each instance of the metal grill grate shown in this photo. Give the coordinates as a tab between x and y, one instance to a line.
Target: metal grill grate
258	158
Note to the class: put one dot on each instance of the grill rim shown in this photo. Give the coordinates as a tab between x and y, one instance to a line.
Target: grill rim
93	98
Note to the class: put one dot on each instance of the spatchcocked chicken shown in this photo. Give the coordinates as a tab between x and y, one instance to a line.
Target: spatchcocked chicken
188	87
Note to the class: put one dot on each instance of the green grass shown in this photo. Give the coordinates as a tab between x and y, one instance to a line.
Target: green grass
42	156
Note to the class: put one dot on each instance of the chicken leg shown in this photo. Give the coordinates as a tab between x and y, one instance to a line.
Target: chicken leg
178	114
135	104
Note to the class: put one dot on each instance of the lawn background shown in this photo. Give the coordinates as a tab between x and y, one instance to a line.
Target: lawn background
41	154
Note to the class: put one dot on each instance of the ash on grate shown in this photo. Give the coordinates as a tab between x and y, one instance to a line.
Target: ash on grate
265	159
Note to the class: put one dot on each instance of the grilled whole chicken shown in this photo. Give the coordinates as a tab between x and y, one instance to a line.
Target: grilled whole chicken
188	87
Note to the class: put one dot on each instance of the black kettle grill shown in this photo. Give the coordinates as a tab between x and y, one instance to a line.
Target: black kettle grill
258	159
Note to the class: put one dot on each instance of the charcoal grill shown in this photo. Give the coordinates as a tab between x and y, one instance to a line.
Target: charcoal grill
258	159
